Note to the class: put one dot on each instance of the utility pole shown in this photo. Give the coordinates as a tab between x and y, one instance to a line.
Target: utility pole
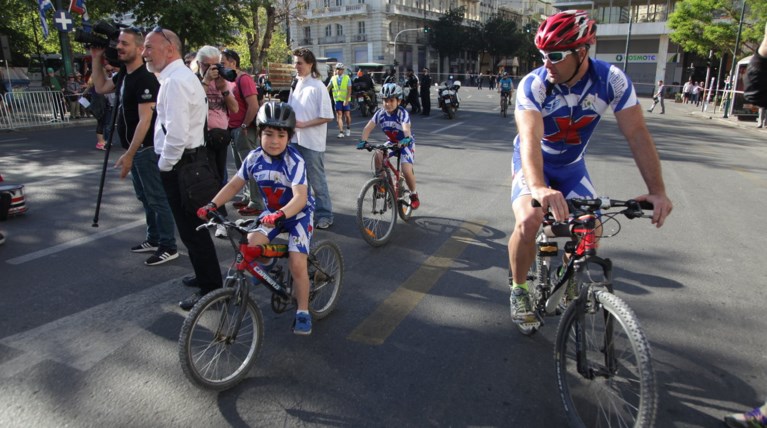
396	64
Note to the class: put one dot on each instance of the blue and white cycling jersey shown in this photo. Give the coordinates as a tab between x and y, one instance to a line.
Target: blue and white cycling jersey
391	125
276	178
570	115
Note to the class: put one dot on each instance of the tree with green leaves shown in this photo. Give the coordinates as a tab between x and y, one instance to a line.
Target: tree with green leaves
703	25
448	35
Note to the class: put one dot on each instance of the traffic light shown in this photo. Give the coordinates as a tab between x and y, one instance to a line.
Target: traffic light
426	29
527	28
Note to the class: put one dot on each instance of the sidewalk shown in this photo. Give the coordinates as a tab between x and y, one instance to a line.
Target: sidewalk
689	110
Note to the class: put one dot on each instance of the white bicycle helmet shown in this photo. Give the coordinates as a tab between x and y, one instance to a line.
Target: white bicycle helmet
340	66
391	90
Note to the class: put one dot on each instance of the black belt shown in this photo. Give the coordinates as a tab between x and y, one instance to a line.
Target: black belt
198	154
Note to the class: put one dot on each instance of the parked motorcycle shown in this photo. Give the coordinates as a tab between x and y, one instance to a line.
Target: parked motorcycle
448	98
367	101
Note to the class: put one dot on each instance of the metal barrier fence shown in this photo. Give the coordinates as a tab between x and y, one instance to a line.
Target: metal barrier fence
33	108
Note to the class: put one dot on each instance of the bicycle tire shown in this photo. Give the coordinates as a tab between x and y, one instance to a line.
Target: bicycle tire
376	216
403	204
504	106
208	358
627	396
325	278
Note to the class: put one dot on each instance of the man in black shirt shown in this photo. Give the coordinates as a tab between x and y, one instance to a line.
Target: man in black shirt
412	98
137	90
425	92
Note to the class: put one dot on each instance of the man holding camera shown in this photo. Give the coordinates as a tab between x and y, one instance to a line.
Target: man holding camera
137	89
179	140
217	83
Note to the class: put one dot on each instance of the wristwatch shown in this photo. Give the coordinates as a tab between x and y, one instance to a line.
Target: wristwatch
225	93
244	125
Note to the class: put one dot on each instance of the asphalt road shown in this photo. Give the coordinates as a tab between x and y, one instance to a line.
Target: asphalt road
88	333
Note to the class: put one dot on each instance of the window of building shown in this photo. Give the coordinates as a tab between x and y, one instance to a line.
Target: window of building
339	30
361	27
307	32
339	2
326	3
328	30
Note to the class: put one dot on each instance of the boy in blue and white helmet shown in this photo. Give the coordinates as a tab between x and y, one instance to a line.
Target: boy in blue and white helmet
394	121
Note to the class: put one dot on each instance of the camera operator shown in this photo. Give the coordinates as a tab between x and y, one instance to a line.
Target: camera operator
138	89
221	102
244	134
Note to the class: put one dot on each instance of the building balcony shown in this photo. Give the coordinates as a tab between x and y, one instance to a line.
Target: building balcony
334	11
306	42
359	38
412	12
331	39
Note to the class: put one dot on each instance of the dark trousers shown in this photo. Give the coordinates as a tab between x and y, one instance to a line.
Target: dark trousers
202	252
415	105
425	101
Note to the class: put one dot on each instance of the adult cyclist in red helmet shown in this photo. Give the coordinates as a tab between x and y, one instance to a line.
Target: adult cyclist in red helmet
558	107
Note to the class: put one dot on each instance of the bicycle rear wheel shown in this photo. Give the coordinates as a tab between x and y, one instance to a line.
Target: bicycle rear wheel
618	384
376	215
504	106
213	355
326	274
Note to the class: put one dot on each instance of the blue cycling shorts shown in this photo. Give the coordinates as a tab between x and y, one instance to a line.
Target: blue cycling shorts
341	107
572	180
299	228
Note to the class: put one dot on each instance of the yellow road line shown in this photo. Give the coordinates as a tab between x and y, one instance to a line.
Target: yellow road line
377	327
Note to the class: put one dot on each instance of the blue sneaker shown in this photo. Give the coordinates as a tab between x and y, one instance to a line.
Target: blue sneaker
302	324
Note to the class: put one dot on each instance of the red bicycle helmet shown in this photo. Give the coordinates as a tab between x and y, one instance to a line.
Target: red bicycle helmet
566	30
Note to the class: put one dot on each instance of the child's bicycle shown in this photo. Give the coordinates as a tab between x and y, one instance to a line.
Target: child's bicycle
223	333
383	197
603	362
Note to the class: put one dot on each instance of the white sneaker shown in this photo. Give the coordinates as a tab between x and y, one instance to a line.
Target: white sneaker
348	132
340	135
220	231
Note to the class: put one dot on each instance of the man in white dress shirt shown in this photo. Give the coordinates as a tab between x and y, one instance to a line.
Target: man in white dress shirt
181	113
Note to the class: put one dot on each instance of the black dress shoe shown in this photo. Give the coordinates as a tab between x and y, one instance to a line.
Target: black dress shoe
190	301
190	281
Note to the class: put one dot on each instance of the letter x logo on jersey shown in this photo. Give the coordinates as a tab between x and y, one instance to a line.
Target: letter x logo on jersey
570	131
273	196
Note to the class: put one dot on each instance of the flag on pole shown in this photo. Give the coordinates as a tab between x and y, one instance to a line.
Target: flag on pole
78	7
44	6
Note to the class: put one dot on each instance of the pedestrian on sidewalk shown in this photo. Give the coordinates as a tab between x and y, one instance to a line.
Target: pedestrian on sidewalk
658	98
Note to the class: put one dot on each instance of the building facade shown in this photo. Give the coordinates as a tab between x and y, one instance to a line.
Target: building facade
386	32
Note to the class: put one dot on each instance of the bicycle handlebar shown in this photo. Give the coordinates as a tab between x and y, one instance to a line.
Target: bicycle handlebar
634	209
215	218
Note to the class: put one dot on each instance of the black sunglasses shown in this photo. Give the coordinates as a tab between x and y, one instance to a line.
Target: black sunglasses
160	30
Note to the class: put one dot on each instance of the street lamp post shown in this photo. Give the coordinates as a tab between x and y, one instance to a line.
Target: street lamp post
395	43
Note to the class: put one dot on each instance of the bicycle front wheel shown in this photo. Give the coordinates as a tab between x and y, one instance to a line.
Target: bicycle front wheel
376	215
616	385
215	352
504	106
326	274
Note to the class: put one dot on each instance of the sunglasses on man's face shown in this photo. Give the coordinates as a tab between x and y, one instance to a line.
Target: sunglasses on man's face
556	56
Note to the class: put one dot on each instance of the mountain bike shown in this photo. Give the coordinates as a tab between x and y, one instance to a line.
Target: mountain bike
223	333
504	103
383	197
602	357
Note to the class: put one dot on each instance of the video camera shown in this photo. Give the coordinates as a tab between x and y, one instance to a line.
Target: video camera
109	43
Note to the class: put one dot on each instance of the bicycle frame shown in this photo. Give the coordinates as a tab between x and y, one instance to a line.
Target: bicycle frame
244	263
389	169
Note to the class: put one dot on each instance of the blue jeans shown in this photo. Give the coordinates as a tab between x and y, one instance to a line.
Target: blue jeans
315	173
160	227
